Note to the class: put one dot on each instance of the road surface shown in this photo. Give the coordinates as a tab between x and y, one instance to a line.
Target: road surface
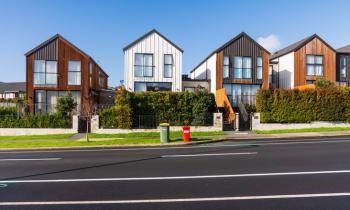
280	174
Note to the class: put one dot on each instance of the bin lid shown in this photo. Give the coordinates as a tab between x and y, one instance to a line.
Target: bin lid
164	124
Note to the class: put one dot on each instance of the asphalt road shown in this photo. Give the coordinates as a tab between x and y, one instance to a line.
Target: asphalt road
281	174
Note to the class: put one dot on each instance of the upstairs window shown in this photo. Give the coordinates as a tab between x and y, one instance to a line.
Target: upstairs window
242	67
90	74
259	68
168	66
143	65
314	65
74	73
101	80
225	67
343	66
45	72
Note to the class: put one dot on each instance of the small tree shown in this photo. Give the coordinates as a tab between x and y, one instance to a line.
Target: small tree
66	105
123	109
321	82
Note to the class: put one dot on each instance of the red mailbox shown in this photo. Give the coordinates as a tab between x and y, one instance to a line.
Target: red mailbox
186	133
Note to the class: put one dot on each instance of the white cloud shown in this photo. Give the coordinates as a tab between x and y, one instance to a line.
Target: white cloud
271	42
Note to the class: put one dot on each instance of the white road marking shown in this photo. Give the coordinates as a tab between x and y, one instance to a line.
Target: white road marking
210	154
175	177
30	159
235	144
176	200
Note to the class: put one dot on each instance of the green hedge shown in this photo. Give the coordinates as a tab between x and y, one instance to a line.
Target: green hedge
10	119
302	106
175	107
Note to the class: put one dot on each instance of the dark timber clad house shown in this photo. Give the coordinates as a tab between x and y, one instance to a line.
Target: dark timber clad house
57	66
343	66
302	62
240	66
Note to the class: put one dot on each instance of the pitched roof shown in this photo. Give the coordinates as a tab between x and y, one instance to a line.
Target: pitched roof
146	35
297	45
227	44
12	87
58	36
345	49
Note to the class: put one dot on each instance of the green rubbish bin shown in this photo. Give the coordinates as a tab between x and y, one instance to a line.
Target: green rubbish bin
164	132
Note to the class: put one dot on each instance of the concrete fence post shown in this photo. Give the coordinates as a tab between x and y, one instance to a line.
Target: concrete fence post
75	123
218	121
237	121
95	123
255	121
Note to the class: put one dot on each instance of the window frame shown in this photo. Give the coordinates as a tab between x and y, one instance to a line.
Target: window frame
259	76
171	65
45	73
343	66
314	65
68	71
143	64
227	66
242	68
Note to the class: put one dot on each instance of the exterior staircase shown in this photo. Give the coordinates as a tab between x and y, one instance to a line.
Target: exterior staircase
224	105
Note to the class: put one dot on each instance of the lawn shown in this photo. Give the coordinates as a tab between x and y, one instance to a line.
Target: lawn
37	137
303	130
63	143
174	134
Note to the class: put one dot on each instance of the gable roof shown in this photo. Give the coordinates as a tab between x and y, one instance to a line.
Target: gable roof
12	87
58	36
345	49
146	35
227	44
297	45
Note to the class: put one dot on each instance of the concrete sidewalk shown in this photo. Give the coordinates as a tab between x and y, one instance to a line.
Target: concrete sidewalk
253	136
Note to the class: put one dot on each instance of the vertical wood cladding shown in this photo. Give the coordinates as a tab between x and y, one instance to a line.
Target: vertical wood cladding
47	52
245	47
314	47
62	51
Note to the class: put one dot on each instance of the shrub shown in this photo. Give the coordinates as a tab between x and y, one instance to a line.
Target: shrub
321	82
108	118
302	106
66	105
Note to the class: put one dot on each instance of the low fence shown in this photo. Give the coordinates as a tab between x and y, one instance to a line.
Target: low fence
150	123
40	131
256	125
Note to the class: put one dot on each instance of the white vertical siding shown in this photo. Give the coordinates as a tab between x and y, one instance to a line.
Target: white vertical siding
207	70
157	46
286	71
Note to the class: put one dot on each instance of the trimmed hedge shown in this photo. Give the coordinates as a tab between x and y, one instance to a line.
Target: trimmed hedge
303	106
10	119
178	108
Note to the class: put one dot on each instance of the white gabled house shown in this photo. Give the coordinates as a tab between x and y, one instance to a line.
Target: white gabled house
153	63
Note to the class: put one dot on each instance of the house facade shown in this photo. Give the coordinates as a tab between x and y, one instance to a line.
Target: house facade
153	63
343	66
240	66
12	90
302	62
57	66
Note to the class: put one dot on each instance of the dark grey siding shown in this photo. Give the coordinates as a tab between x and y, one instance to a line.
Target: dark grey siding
347	79
48	52
243	47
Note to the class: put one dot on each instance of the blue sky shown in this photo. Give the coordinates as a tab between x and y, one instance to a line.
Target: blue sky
102	28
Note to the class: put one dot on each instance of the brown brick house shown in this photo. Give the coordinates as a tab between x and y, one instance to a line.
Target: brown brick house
57	66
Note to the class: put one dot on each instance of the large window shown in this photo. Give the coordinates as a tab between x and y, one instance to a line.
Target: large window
343	66
314	65
46	101
259	68
226	67
168	66
143	65
90	74
245	93
74	73
45	72
101	79
242	67
152	86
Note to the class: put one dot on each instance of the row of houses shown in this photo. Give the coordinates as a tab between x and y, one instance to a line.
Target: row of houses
234	72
